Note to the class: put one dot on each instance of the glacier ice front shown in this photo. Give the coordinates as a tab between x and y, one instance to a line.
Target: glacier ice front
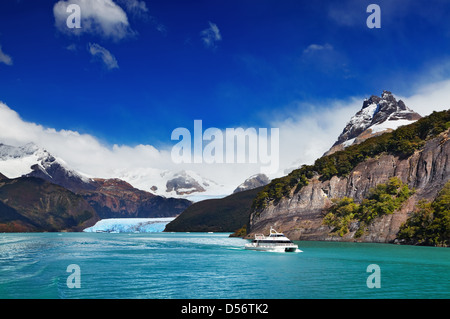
130	225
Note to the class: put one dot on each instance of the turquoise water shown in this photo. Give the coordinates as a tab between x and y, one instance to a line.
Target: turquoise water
200	265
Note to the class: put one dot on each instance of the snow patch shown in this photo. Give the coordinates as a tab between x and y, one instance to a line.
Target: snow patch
389	125
349	142
365	116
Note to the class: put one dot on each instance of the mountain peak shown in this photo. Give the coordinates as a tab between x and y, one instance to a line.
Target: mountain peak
253	182
379	114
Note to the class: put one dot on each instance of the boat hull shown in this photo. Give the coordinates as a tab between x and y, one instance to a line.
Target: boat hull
273	249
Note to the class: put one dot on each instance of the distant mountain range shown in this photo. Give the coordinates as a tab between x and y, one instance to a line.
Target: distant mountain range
33	160
105	198
177	184
108	198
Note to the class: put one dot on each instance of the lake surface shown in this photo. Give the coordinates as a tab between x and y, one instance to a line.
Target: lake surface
212	266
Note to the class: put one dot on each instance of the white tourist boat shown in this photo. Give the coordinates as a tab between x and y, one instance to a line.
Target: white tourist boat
274	242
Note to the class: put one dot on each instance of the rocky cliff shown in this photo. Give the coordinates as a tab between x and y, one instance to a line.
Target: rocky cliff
300	214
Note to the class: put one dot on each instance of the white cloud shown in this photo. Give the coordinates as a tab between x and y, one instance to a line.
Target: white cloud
83	152
86	154
318	47
306	136
306	132
135	7
429	98
211	36
138	10
4	58
104	55
99	17
302	140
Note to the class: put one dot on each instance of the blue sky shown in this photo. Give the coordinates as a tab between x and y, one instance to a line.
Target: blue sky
229	63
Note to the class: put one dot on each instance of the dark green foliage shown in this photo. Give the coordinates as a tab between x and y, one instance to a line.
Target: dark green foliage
241	232
402	142
430	224
383	199
341	214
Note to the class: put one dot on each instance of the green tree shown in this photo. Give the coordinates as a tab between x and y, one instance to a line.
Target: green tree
383	199
430	223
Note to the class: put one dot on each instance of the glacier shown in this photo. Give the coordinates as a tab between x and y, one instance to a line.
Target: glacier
130	225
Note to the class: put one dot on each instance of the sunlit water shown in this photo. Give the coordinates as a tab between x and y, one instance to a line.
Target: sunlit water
200	265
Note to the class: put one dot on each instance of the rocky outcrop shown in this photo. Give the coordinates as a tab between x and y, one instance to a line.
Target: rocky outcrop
300	215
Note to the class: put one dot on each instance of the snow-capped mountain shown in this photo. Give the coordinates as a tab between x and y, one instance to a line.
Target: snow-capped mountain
183	184
17	161
253	182
377	116
32	160
108	197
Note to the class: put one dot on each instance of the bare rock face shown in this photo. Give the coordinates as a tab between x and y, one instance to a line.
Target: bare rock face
300	215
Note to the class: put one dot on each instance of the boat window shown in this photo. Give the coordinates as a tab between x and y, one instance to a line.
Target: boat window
274	241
